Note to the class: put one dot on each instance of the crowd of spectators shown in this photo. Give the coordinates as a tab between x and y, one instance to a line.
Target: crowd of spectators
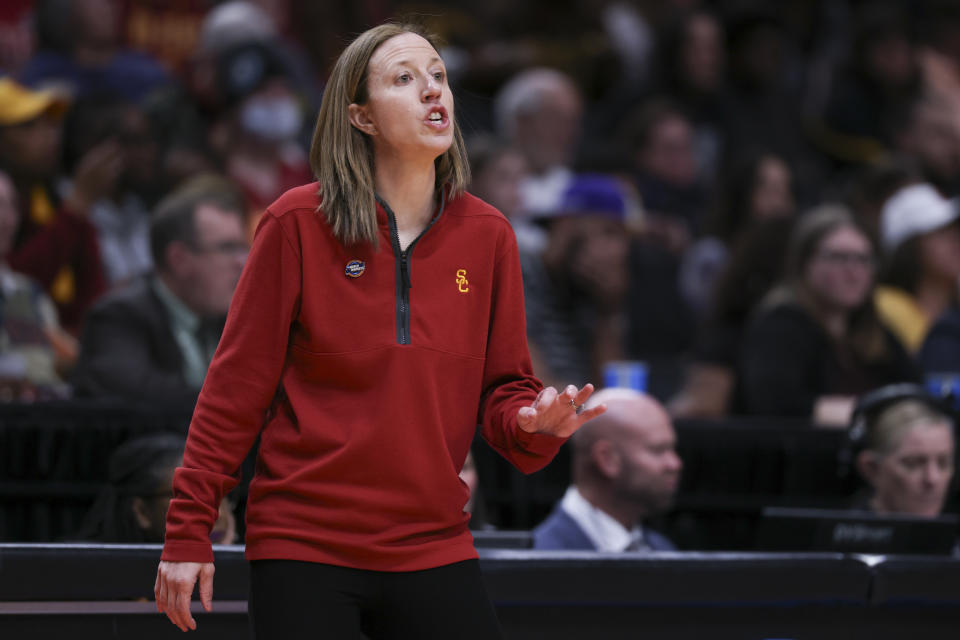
756	199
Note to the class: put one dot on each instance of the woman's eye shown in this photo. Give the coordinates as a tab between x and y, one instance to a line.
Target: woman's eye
912	464
438	76
404	77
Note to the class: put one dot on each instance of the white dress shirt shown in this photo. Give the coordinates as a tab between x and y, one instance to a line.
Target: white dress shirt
606	533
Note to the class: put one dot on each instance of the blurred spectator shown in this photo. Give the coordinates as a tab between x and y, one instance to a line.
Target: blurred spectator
229	24
930	136
625	470
34	350
921	236
56	243
617	60
881	80
660	141
132	508
237	109
939	60
497	171
659	323
692	73
574	289
939	47
627	32
869	188
711	388
153	341
603	45
816	342
235	51
258	137
759	187
78	50
236	22
906	456
182	114
539	112
122	213
761	109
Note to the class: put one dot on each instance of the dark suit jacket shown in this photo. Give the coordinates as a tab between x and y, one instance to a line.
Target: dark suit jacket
128	351
561	532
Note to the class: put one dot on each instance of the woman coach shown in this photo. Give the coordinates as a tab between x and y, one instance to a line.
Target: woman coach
378	320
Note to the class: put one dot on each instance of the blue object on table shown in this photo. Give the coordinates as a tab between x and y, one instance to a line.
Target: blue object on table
945	385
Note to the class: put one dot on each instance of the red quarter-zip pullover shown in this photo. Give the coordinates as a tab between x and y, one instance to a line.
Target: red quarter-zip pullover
367	371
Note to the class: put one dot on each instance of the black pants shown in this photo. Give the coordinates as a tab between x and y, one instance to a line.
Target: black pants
292	600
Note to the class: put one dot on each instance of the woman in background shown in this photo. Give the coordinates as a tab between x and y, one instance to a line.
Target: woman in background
816	343
907	449
921	280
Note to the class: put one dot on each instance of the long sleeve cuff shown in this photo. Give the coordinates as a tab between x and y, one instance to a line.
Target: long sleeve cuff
187	551
541	444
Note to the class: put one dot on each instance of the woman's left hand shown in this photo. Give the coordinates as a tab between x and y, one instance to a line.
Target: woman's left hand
558	414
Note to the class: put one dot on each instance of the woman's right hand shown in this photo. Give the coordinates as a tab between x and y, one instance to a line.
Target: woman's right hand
174	588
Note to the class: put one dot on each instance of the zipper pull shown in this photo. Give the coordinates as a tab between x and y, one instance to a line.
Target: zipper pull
405	270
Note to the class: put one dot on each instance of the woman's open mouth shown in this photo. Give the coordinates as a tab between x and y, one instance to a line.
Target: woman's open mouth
437	118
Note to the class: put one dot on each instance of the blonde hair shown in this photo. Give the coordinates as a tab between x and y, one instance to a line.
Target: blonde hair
341	156
887	430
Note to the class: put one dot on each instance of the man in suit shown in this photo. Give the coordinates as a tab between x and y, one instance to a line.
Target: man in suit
152	341
625	469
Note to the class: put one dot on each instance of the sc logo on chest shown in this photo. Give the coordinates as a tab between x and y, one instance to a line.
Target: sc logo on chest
463	286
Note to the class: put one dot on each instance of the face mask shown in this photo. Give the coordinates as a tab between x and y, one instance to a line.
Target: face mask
273	119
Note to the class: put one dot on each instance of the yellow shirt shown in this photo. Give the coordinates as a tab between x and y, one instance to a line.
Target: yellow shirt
899	311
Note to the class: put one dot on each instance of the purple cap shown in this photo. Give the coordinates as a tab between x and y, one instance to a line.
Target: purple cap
593	194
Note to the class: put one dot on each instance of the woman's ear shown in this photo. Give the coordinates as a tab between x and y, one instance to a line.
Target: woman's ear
360	118
868	464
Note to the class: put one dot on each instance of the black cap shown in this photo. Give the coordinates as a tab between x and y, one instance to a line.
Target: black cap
244	68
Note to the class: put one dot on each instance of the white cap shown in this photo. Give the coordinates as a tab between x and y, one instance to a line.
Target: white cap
912	211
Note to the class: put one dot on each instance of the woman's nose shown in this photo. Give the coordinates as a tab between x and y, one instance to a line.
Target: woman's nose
431	88
933	474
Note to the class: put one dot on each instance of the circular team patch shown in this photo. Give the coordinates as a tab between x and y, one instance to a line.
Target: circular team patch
355	268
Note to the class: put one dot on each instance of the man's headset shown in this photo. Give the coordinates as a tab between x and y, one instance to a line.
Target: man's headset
869	407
